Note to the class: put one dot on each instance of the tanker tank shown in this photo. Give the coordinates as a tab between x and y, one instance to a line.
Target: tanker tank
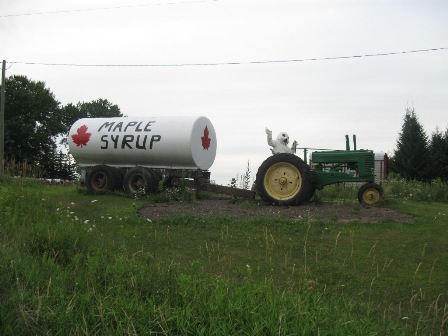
155	142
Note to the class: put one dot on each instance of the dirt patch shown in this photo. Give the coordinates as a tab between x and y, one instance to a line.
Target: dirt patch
316	211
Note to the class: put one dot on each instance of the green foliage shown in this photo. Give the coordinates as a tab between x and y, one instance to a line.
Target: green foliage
233	182
75	263
242	181
398	188
22	169
416	157
34	120
411	157
438	162
100	108
182	193
395	188
338	193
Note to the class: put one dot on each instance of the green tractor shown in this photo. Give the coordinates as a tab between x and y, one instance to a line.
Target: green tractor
285	179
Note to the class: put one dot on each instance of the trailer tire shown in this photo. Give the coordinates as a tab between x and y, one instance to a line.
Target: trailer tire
140	180
284	179
101	179
370	194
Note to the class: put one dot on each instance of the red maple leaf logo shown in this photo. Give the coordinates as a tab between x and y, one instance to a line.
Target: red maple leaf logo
205	139
81	138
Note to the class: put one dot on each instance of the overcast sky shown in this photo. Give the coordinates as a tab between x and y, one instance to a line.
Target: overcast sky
316	102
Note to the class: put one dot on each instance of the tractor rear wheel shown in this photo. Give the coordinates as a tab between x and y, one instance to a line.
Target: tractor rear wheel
370	194
284	179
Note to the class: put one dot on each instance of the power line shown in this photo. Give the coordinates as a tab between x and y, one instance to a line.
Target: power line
235	63
106	8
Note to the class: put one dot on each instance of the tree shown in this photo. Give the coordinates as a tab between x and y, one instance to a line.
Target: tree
32	120
35	122
438	149
412	154
100	108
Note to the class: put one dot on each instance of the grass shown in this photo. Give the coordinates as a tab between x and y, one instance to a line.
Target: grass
81	264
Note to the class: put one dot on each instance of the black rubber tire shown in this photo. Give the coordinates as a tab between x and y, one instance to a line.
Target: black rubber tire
370	194
140	180
284	179
101	179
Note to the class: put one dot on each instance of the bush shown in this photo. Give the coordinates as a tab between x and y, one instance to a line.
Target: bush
399	188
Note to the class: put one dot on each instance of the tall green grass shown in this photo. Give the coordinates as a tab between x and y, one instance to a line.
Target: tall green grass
399	188
80	264
395	189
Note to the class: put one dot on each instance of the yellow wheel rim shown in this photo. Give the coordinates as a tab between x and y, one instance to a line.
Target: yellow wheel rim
371	196
282	181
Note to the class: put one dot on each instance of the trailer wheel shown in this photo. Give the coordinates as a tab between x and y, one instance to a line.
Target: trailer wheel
101	179
284	179
370	194
140	180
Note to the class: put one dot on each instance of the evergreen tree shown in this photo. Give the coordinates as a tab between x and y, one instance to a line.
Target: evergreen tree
411	157
438	149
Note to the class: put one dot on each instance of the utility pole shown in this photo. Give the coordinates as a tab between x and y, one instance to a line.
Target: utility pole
2	121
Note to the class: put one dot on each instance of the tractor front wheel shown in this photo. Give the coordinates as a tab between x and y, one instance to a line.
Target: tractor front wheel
284	179
370	194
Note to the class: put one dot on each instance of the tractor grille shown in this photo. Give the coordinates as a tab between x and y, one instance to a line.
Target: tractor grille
369	163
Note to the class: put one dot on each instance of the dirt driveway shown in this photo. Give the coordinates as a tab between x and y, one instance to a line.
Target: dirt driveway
317	211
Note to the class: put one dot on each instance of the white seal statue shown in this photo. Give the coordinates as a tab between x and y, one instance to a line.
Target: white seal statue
280	145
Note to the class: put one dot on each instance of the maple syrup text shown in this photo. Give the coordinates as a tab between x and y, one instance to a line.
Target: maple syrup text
123	127
128	141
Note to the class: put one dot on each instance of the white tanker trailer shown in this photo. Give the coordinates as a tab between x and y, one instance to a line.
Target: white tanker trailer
135	154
